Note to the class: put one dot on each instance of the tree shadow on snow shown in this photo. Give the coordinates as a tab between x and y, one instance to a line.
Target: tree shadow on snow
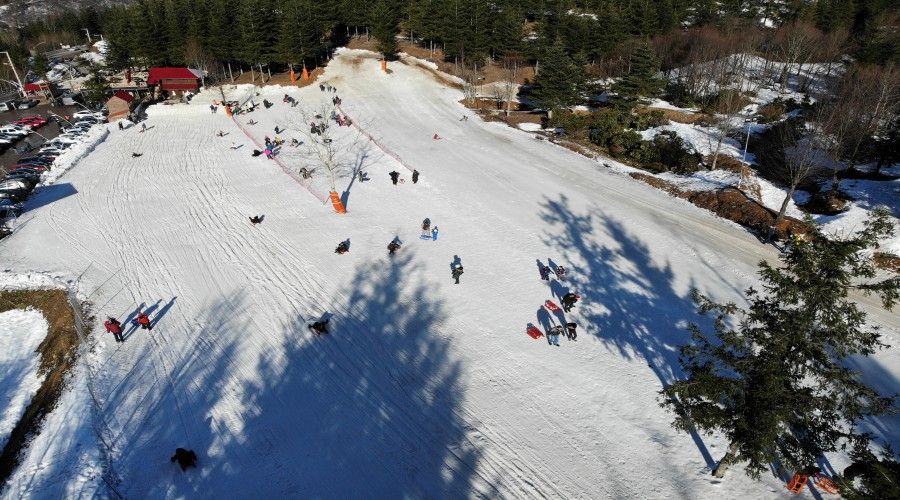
45	195
628	301
370	410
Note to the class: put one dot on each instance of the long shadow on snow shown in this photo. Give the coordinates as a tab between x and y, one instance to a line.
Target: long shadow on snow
374	405
46	195
629	301
371	410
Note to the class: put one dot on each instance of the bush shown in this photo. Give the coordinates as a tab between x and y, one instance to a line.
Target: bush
674	154
770	112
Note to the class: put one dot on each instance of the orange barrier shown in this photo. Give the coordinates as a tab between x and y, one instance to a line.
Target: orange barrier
305	74
384	65
293	76
825	484
337	203
228	110
798	482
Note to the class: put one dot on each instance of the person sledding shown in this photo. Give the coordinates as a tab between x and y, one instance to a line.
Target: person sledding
319	327
569	300
256	152
394	176
436	137
137	155
185	458
267	104
143	321
342	248
256	219
426	228
393	246
456	273
114	327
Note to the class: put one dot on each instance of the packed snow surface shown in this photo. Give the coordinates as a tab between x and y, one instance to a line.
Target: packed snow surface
424	388
21	331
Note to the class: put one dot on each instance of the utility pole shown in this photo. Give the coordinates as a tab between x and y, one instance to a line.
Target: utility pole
21	87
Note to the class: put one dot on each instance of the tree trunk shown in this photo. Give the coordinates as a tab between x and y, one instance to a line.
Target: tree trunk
781	212
718	149
726	461
230	74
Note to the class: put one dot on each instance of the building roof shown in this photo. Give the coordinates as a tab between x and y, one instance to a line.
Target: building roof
36	86
125	96
157	74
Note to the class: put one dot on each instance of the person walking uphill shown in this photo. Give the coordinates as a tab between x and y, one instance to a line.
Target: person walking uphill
457	272
394	176
144	321
114	327
415	176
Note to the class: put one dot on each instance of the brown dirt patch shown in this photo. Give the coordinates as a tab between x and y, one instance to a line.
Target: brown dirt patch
887	261
676	115
731	204
58	354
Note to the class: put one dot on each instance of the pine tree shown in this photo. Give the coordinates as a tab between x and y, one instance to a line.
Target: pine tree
385	17
641	79
777	384
96	88
560	82
257	30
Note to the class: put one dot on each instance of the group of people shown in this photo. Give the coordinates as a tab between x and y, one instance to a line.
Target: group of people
114	327
395	176
289	100
569	299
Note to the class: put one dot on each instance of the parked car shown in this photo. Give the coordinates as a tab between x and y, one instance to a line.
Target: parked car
33	121
7	106
62	139
8	140
14	195
30	166
35	159
29	180
26	104
14	184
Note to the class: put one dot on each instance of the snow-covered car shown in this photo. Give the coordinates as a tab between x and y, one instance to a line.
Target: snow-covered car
58	150
14	184
82	114
14	130
62	139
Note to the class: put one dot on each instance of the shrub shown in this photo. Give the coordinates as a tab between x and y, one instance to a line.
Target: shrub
772	111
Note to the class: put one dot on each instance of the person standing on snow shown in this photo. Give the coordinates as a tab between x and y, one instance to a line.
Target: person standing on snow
553	335
394	176
571	330
393	247
545	273
114	327
185	458
434	233
144	321
415	176
457	272
568	301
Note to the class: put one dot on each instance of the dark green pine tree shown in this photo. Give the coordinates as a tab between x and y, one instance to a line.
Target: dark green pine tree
775	380
149	36
221	37
96	88
176	27
869	476
118	34
642	18
385	18
506	35
641	79
257	32
559	82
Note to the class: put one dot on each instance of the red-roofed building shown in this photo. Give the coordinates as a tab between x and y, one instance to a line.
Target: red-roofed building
39	88
175	80
119	105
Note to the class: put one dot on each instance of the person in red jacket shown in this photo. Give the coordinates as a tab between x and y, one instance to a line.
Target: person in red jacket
114	327
144	321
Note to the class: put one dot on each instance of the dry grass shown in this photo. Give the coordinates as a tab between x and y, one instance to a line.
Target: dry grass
676	115
887	261
58	354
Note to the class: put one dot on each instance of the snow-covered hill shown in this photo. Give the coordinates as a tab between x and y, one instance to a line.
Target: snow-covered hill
424	388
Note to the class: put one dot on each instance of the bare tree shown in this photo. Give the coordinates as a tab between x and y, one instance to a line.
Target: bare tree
200	59
726	121
340	155
510	86
792	157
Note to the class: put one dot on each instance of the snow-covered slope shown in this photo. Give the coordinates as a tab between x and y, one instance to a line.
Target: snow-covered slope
21	331
424	388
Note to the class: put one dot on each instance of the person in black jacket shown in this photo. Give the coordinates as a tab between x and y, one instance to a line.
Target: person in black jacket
185	458
569	301
394	176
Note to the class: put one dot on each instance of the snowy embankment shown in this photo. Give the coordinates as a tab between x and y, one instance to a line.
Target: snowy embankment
424	388
21	331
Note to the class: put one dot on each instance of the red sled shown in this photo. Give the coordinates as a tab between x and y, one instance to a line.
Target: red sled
551	305
534	333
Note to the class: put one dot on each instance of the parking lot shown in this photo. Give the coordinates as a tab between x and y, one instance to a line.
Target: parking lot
51	130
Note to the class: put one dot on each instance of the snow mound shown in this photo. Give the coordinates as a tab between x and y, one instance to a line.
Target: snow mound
21	331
